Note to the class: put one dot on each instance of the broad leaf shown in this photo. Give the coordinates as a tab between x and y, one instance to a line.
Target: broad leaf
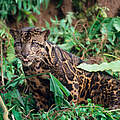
114	66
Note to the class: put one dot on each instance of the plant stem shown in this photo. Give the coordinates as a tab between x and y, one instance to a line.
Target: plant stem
2	77
5	114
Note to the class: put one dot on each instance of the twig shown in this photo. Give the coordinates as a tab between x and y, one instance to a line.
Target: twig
2	77
13	117
5	114
49	110
29	113
2	38
114	110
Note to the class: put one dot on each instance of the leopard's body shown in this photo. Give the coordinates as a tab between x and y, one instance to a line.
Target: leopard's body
40	56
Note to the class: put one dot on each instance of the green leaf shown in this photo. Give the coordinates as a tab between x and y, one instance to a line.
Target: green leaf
58	83
19	97
94	29
46	2
114	66
24	5
116	24
55	88
9	75
111	37
82	118
10	53
16	114
58	95
63	117
19	4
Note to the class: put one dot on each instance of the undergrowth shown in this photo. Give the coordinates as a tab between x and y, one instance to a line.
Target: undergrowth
101	38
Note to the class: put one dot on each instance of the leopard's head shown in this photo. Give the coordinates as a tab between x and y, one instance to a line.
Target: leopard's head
29	44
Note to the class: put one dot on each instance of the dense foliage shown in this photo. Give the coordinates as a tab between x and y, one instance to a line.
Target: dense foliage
102	37
21	8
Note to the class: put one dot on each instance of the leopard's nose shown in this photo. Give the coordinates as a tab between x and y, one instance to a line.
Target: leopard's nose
25	55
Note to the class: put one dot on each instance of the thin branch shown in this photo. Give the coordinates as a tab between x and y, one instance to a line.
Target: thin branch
5	114
2	77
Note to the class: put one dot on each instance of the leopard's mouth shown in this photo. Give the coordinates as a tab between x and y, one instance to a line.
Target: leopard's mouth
27	62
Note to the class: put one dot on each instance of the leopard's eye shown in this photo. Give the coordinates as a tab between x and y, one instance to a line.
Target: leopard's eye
34	44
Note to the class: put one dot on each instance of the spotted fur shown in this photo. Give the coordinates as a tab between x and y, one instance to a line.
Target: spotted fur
41	56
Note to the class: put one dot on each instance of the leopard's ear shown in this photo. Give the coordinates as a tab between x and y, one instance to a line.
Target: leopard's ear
45	34
42	35
14	33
